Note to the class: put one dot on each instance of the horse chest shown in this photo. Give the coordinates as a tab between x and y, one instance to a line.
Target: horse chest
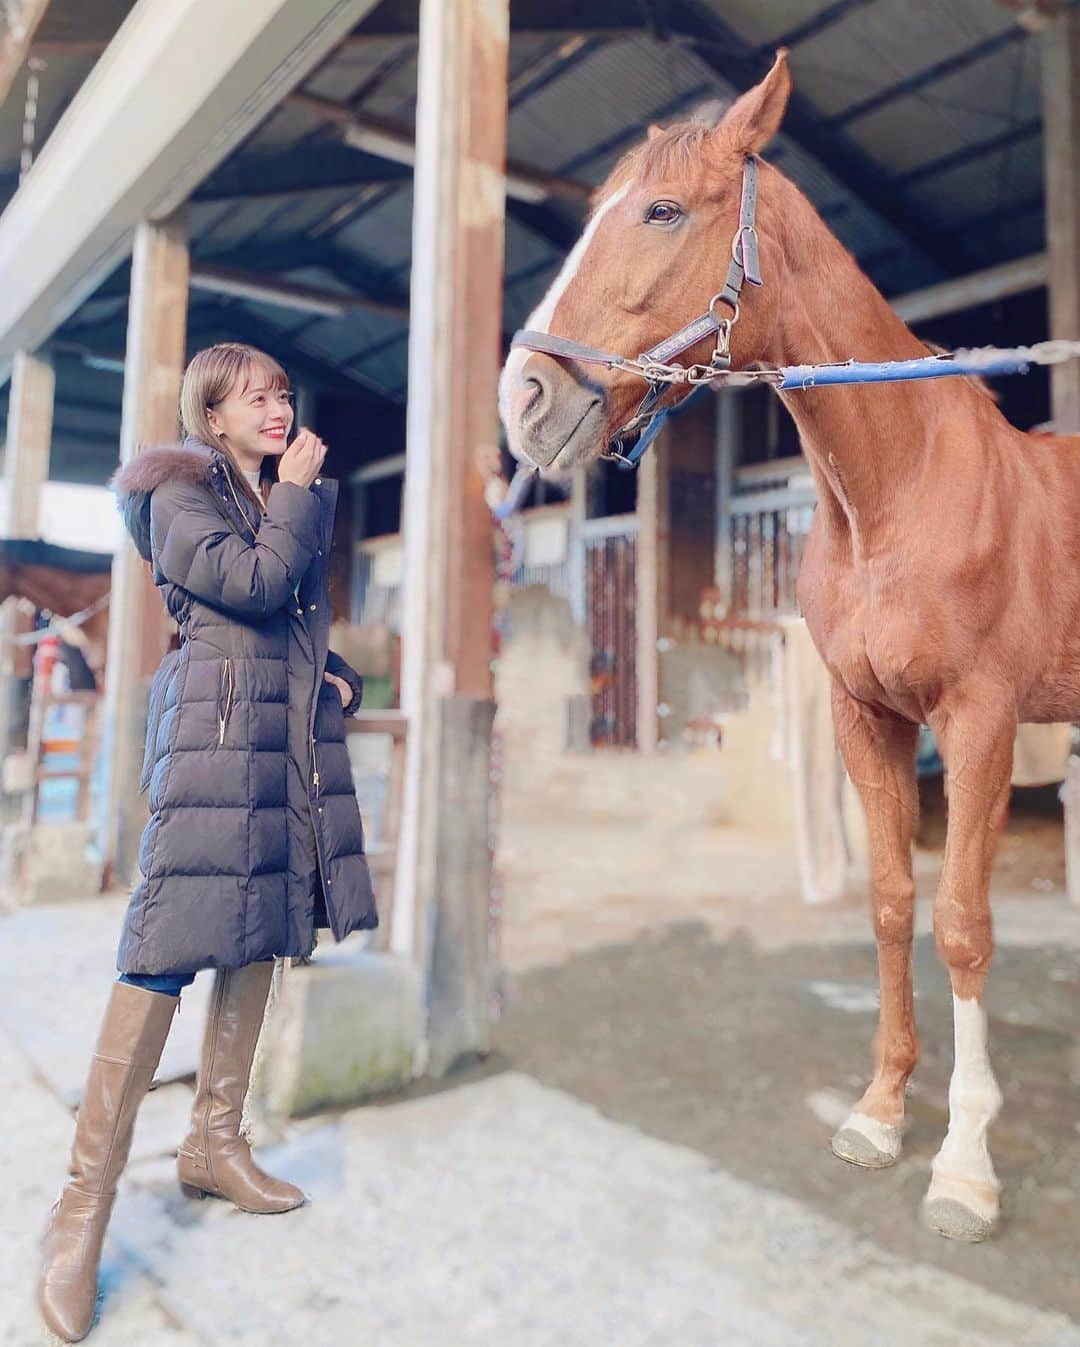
877	657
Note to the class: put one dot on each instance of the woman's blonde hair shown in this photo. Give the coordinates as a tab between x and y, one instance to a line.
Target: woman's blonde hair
210	377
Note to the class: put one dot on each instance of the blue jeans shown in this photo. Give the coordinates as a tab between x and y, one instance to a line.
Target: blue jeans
170	983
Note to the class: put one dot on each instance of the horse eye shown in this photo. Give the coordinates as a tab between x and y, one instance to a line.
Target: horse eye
663	212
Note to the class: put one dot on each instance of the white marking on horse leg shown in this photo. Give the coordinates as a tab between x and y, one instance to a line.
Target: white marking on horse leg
962	1170
540	318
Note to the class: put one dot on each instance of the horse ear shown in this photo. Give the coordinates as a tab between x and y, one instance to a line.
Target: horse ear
655	131
754	118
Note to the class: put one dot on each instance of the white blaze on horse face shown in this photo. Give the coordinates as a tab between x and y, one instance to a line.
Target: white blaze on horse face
540	318
963	1169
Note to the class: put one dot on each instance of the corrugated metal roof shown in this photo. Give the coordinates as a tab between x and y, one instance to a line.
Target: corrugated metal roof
901	94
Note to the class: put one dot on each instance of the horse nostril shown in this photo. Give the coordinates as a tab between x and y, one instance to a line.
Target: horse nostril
537	398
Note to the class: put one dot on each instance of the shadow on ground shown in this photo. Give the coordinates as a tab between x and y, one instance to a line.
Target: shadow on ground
720	1047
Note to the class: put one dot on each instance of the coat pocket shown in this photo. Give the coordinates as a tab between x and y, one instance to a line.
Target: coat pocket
226	697
158	688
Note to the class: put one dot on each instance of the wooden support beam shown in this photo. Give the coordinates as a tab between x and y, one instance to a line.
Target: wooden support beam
166	105
26	469
18	24
286	294
154	366
442	895
978	287
647	596
1061	152
728	437
389	141
1061	173
736	63
532	18
29	435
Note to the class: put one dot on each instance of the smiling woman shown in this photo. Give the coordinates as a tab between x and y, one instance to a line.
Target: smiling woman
254	839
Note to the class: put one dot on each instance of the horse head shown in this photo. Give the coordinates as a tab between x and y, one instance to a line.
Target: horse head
654	254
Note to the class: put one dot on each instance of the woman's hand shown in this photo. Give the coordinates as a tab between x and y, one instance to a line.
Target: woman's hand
345	692
303	460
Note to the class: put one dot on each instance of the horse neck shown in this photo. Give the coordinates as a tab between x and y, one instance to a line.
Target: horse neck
865	444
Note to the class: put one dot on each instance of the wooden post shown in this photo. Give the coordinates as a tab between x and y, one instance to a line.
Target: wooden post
21	19
29	437
443	885
579	513
647	599
153	368
26	469
728	433
1061	173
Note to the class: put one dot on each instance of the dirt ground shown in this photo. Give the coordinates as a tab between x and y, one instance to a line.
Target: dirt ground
747	1036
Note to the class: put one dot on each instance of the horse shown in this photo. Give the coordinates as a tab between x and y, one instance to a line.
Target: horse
941	578
66	582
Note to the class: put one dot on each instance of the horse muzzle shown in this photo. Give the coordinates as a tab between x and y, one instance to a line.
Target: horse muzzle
551	419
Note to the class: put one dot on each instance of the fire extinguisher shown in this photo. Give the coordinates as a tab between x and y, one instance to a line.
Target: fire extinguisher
45	657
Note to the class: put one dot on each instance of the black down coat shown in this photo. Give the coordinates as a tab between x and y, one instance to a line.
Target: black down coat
254	836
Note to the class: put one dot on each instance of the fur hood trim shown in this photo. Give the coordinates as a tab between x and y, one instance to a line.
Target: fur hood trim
136	481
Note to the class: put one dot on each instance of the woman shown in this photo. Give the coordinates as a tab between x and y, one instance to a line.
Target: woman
254	839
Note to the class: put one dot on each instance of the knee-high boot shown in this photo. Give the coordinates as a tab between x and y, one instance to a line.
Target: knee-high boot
129	1046
215	1158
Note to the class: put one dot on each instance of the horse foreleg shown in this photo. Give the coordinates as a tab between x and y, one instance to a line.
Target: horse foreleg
878	749
976	736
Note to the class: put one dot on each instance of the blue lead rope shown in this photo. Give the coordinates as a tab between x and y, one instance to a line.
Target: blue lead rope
986	362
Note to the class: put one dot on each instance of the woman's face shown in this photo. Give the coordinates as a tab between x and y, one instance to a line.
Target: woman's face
254	418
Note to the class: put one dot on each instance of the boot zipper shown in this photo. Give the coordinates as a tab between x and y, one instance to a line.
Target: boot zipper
227	689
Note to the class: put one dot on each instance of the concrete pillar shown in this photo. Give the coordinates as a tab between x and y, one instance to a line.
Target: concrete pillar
153	368
442	891
26	469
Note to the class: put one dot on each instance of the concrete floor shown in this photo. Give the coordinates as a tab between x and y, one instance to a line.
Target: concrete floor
752	1057
643	1161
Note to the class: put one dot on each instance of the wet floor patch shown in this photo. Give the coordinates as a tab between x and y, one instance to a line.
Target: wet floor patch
748	1057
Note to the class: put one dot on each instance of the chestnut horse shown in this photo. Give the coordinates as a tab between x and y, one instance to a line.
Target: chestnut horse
64	581
940	583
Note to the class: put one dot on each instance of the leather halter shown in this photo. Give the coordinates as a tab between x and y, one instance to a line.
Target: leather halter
655	365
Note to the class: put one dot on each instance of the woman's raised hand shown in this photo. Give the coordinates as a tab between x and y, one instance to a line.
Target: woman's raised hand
303	460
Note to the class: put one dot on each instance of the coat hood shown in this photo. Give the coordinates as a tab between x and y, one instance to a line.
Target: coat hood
136	481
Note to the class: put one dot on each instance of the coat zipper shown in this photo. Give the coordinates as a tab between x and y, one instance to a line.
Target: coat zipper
228	687
311	733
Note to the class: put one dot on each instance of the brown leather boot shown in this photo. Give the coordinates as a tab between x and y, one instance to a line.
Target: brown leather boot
129	1045
215	1159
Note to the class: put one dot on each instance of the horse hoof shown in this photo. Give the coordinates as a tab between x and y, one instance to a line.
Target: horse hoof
865	1141
953	1220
